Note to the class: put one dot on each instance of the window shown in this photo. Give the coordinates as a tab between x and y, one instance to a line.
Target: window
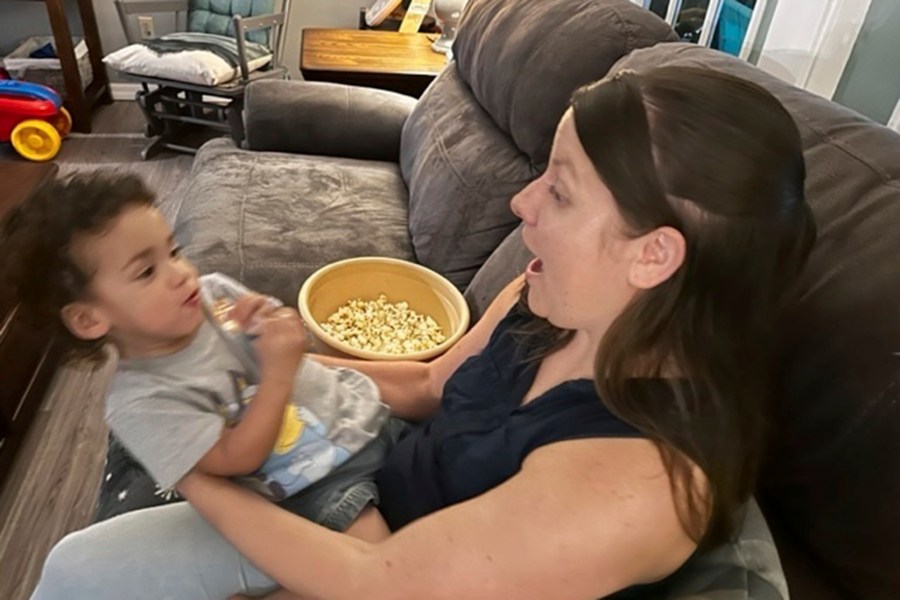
720	24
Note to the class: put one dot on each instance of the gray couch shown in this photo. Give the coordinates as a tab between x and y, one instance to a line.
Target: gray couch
332	172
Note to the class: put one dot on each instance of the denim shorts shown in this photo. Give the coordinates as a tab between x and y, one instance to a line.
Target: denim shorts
336	500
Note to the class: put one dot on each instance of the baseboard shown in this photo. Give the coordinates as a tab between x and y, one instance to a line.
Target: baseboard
124	90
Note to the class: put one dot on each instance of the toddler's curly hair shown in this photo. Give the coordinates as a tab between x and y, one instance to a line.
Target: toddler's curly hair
36	244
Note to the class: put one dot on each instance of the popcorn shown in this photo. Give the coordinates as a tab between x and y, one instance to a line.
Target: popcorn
382	326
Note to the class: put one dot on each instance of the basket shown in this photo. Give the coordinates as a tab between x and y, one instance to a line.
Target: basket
46	71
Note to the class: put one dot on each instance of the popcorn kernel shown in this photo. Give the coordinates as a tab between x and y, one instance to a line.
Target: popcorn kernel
382	326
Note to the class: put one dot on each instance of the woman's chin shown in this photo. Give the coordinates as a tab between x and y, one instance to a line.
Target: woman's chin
535	305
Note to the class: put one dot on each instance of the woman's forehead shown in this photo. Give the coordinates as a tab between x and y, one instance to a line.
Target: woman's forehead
567	154
565	128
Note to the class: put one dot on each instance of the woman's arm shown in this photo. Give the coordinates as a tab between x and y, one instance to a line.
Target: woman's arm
582	519
413	389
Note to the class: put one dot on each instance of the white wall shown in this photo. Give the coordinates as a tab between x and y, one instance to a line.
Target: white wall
791	39
809	42
111	35
839	34
19	20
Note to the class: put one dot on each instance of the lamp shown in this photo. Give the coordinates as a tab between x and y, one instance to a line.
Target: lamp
448	13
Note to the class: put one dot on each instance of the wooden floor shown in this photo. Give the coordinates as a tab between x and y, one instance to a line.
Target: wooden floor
54	480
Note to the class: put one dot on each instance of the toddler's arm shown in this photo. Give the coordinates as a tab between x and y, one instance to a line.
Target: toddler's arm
244	448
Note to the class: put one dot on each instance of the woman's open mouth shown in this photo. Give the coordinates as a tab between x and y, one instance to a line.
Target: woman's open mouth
535	267
193	299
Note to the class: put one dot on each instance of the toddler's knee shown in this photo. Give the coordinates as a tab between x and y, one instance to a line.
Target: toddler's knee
64	569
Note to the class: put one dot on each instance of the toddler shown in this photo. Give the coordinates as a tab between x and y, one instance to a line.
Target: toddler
211	376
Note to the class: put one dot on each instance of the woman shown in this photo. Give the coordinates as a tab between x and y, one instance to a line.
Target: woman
600	424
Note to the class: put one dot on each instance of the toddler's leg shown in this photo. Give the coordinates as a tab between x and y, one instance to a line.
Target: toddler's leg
162	552
369	526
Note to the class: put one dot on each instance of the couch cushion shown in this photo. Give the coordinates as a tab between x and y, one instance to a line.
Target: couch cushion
270	219
185	57
507	261
126	486
523	60
461	171
483	129
834	477
746	567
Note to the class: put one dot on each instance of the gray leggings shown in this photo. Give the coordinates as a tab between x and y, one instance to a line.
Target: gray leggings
165	553
170	552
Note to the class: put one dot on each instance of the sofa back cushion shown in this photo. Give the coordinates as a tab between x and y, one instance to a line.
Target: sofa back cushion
834	474
483	129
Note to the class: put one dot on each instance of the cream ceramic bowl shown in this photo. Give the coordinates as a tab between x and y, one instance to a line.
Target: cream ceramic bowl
425	291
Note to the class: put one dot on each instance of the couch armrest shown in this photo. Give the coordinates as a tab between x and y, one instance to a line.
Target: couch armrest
326	119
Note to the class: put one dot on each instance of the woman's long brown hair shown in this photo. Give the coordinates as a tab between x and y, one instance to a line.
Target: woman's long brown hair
720	160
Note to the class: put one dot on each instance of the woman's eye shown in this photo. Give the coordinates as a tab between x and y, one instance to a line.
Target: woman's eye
145	273
176	251
555	194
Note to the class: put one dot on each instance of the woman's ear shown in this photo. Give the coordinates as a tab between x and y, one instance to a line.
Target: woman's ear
660	253
86	322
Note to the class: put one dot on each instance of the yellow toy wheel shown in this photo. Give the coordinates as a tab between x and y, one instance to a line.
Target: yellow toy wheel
36	140
62	122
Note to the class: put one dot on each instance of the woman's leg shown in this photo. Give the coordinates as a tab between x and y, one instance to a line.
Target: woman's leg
162	552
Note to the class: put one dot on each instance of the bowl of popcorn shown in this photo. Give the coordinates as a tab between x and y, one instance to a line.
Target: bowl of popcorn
383	309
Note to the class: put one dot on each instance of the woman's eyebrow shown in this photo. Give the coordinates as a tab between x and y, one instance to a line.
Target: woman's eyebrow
564	165
561	163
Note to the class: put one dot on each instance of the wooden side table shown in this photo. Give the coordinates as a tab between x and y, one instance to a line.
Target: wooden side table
28	356
400	62
78	99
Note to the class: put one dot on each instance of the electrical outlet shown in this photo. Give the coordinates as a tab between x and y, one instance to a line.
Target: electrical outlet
145	23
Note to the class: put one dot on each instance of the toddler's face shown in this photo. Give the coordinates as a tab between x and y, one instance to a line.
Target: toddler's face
141	289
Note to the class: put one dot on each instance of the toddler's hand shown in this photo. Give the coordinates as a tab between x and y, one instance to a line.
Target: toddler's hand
249	312
281	343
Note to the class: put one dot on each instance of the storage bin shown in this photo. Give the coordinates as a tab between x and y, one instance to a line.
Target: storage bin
46	71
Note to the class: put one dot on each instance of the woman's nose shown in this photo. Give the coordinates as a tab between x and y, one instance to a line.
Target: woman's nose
523	205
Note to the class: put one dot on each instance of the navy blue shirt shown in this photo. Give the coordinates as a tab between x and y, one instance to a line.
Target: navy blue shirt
482	431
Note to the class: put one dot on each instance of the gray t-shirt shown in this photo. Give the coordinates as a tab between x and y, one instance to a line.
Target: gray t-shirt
169	411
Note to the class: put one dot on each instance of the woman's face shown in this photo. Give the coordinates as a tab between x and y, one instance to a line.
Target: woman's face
580	276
